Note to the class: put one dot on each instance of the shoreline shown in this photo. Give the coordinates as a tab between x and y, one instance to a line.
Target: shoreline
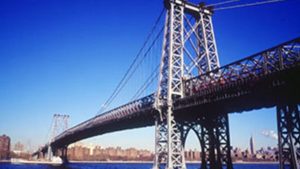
128	162
188	162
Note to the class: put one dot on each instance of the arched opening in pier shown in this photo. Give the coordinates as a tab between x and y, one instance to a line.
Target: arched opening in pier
192	145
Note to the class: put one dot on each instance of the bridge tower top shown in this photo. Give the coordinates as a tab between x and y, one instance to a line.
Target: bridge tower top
189	47
189	7
59	125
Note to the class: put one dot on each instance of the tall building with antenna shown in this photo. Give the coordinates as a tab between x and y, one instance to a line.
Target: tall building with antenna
252	147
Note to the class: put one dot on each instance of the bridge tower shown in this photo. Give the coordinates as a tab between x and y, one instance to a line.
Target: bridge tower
59	124
189	49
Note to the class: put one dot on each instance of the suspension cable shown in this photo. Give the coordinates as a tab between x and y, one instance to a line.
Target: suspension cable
249	4
48	135
147	83
127	75
139	63
222	3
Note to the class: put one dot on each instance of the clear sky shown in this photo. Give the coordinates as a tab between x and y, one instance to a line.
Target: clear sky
67	57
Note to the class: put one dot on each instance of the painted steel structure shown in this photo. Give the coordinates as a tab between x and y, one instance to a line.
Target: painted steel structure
196	42
59	125
192	83
267	79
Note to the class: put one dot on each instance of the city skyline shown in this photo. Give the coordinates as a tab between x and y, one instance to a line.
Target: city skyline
55	57
89	152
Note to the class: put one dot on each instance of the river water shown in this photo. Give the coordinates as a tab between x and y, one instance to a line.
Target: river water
121	166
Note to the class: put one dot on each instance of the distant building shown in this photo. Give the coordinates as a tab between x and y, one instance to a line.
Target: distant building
252	148
18	148
4	147
192	155
83	153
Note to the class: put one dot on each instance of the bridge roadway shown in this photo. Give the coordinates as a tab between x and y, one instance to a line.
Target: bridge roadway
265	79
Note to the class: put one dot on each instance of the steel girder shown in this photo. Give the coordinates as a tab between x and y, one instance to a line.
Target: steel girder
288	123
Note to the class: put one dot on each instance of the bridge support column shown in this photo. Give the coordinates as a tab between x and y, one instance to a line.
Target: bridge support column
224	140
218	138
168	143
64	154
49	153
213	135
40	155
288	123
202	136
204	141
161	140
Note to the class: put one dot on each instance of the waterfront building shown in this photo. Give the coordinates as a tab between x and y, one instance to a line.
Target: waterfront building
83	153
4	147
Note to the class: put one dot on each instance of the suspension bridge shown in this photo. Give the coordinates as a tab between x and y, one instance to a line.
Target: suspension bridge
196	94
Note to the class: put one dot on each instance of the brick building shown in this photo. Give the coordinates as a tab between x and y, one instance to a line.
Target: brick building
97	153
4	147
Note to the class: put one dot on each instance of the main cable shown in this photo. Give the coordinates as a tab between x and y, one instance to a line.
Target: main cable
125	78
249	4
140	62
222	3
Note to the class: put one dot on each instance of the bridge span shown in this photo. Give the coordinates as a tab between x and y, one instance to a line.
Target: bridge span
267	79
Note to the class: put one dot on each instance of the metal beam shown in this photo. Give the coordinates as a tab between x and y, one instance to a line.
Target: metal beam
288	123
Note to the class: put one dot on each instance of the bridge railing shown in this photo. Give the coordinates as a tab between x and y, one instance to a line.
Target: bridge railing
127	109
114	114
281	57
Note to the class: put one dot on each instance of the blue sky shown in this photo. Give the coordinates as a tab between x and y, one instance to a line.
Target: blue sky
68	56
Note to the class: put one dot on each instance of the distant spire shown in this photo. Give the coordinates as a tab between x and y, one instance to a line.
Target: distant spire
252	148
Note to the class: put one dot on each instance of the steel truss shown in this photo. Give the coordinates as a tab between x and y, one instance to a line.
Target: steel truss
200	47
170	87
279	58
195	42
219	135
213	135
216	139
59	125
288	123
202	135
161	142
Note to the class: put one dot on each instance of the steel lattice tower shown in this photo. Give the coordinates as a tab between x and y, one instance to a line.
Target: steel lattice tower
189	49
59	125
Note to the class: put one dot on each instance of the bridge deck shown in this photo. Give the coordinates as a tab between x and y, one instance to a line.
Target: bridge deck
265	79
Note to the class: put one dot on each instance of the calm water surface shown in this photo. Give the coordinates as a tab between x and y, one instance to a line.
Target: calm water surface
121	166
